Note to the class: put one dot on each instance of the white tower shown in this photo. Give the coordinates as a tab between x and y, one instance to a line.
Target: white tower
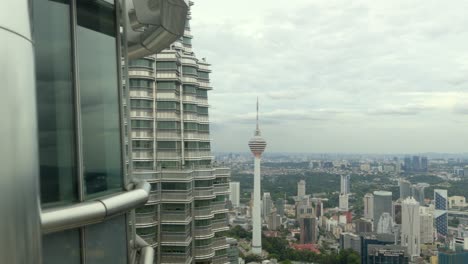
257	145
301	188
234	194
410	225
369	206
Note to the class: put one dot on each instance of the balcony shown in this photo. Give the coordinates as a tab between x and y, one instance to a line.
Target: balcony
166	56
204	252
175	237
147	113
203	212
142	154
219	224
205	85
175	216
205	174
146	219
219	242
191	135
176	258
220	259
167	96
177	195
169	75
219	206
204	136
145	93
190	116
168	155
141	73
190	98
203	232
206	192
221	188
204	67
146	175
168	134
189	79
167	115
192	154
154	197
222	172
205	153
189	61
176	175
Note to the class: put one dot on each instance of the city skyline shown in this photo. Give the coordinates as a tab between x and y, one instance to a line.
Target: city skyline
366	84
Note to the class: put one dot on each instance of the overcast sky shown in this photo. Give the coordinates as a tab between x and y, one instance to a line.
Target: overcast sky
337	76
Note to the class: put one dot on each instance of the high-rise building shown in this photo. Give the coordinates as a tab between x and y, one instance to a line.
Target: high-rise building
408	166
363	225
186	215
369	206
424	164
257	146
68	135
397	212
417	191
382	254
274	220
369	239
267	205
343	202
385	224
382	204
345	184
426	225
405	189
416	163
440	213
279	204
350	241
234	194
308	224
232	251
301	188
410	227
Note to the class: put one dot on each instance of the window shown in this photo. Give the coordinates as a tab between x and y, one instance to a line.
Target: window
142	144
203	184
203	75
191	145
174	207
146	209
203	127
139	103
61	245
190	126
176	186
202	93
190	108
173	249
189	70
143	165
141	63
97	53
144	83
166	65
167	145
169	164
142	124
203	242
204	145
187	40
202	222
168	125
166	85
175	228
146	231
163	105
190	89
55	103
202	110
202	203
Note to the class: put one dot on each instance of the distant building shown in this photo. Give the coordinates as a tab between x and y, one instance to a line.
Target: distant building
407	164
453	257
410	227
382	204
384	254
405	189
368	239
417	191
274	220
416	162
397	212
279	204
369	206
440	213
234	194
456	201
343	203
424	164
350	241
345	187
426	220
301	188
318	208
385	224
267	204
459	172
308	224
232	251
363	225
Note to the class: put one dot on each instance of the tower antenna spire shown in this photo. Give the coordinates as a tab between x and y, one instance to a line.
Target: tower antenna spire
257	131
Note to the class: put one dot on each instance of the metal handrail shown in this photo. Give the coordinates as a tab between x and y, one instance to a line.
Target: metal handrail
86	213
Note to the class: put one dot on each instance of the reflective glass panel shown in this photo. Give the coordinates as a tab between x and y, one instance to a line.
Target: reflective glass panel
61	246
52	40
97	56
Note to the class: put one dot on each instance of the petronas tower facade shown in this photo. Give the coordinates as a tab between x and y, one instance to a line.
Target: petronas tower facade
185	218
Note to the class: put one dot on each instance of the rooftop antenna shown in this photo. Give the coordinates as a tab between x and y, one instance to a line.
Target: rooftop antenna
257	131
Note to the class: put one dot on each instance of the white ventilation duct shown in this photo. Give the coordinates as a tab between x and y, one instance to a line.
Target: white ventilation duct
153	25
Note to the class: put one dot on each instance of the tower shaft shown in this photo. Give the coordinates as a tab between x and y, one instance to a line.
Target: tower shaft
256	219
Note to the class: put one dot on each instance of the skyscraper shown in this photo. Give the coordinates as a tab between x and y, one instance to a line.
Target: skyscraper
343	202
186	215
382	204
234	194
368	206
417	191
410	227
301	188
267	205
405	189
426	225
308	225
416	163
424	164
279	204
73	142
345	184
440	213
257	145
407	164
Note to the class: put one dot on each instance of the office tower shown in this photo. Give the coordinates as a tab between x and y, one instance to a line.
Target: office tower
407	164
279	204
345	184
267	205
343	203
424	164
417	191
257	145
426	220
186	214
405	189
397	212
67	194
301	188
350	241
232	251
369	239
416	163
385	224
274	220
308	224
369	206
363	225
380	254
319	208
450	257
410	227
382	204
440	213
234	194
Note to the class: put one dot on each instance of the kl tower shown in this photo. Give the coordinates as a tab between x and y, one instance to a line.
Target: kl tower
257	145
